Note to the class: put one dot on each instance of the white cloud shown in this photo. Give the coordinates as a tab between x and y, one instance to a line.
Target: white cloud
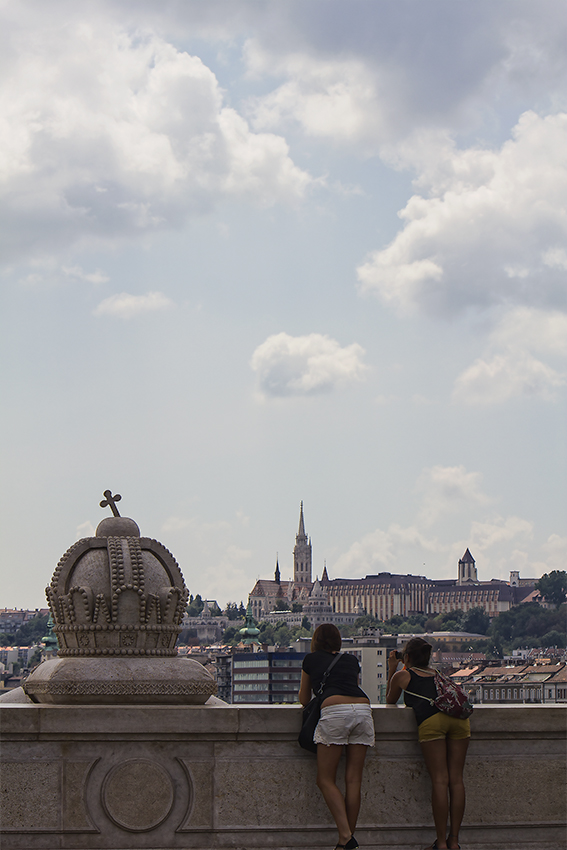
486	535
506	376
48	272
489	231
508	369
105	134
85	529
398	550
369	76
454	496
211	542
305	365
328	98
77	273
556	551
448	489
126	306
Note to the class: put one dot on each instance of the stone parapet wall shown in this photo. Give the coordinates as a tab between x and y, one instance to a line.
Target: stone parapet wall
157	777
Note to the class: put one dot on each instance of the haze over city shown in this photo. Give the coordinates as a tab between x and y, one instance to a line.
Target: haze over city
255	253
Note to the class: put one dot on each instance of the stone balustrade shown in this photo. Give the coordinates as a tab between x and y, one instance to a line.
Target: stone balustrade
207	777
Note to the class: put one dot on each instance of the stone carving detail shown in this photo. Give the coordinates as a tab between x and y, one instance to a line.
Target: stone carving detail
137	795
117	600
117	595
103	688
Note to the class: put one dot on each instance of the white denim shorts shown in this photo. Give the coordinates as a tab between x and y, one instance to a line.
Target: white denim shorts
345	724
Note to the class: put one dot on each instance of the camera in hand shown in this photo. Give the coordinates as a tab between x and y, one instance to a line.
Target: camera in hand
399	655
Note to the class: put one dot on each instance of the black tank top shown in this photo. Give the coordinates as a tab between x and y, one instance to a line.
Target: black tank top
424	685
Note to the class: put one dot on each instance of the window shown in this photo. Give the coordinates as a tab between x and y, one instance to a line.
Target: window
294	677
250	686
497	693
251	663
515	693
285	686
250	676
509	693
251	698
287	662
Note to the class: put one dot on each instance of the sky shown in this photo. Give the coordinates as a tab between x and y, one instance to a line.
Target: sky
255	253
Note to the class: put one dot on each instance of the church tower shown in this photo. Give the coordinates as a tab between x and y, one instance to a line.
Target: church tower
302	555
467	569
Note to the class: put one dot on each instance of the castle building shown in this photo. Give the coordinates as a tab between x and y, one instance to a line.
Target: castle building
384	595
266	593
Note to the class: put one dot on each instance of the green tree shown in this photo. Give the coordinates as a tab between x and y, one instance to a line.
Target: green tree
231	611
305	624
553	586
230	635
526	625
553	638
35	658
297	607
195	606
366	621
30	632
476	621
281	605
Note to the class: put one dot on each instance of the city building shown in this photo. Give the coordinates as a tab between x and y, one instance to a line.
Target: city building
11	619
536	683
384	595
448	641
205	628
266	593
266	677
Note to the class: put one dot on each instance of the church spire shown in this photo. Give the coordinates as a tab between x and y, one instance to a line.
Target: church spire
301	531
302	555
325	576
277	574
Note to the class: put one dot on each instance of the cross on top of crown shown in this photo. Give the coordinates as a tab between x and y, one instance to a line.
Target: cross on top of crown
110	501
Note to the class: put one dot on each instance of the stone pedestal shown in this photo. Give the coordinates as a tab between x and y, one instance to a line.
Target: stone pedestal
99	681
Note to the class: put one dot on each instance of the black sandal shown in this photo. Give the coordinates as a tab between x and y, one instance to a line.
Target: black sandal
351	844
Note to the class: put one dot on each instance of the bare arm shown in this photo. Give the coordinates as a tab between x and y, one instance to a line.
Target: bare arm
396	681
305	688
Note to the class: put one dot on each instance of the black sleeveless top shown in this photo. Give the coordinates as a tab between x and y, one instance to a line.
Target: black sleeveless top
343	678
424	685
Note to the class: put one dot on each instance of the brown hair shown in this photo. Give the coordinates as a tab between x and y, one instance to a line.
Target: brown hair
418	651
326	638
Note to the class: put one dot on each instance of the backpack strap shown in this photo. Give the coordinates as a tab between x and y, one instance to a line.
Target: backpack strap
326	673
427	699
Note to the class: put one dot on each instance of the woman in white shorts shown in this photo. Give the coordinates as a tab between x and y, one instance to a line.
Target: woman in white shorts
346	720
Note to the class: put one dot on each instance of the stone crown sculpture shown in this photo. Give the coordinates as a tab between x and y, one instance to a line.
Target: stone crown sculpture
117	594
117	601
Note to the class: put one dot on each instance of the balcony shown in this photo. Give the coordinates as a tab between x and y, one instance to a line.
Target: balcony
212	778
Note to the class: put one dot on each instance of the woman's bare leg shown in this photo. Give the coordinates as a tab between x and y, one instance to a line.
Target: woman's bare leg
435	755
327	763
355	755
456	754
